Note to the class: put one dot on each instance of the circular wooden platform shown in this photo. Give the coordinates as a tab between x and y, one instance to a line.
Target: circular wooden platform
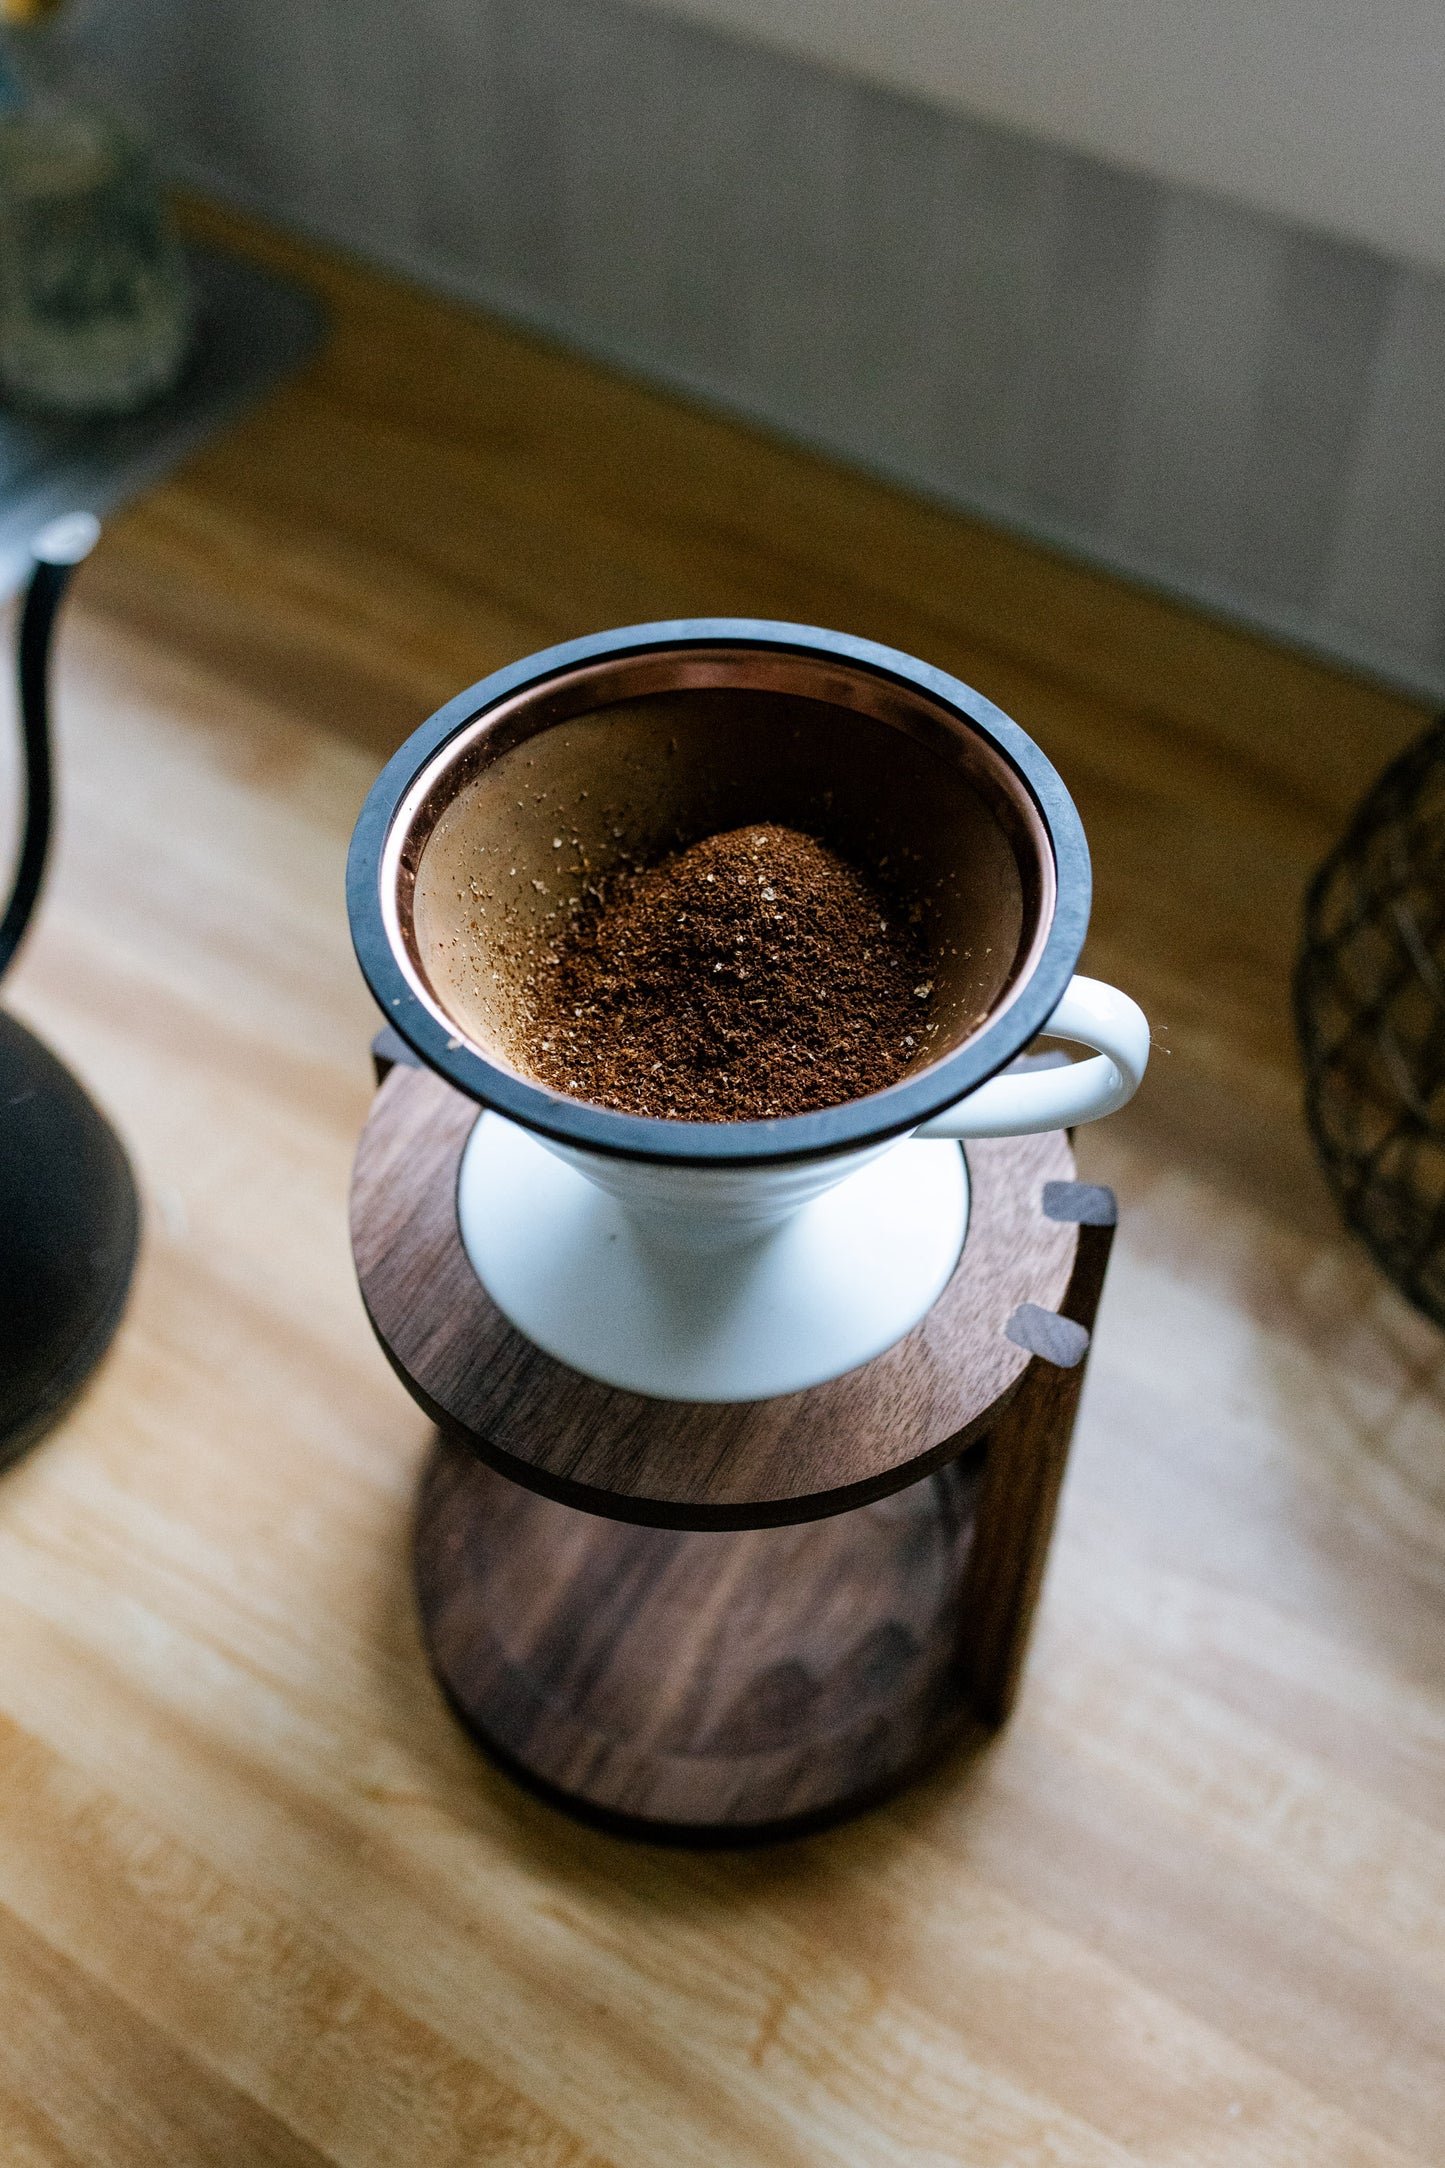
798	1457
697	1688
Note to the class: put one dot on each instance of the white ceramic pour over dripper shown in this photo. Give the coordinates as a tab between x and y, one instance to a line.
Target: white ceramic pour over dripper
731	1261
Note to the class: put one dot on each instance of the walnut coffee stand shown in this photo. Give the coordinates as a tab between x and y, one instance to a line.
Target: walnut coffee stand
720	1623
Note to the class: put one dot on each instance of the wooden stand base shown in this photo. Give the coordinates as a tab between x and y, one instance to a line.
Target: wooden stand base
721	1624
714	1688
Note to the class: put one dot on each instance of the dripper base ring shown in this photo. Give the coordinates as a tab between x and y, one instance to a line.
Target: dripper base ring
844	1277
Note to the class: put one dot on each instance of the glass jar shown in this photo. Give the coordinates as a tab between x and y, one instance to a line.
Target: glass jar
95	306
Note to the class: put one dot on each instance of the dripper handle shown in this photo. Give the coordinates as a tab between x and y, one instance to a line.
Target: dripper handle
1094	1015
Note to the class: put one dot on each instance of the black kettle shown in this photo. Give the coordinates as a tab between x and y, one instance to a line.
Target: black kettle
69	1216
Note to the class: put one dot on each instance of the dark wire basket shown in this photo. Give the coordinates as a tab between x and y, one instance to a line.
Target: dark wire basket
1369	996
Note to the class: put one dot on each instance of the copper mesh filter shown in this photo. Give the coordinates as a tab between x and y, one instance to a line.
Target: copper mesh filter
627	759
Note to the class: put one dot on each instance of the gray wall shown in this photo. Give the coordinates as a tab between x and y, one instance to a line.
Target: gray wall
1326	111
1227	405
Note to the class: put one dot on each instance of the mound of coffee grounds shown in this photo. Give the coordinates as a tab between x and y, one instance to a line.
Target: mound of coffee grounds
754	974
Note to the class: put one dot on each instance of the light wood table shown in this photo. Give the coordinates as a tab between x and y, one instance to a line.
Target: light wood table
260	1902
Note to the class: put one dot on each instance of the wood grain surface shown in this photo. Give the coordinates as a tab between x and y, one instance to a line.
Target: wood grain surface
664	1680
260	1900
723	1465
1025	1457
698	1685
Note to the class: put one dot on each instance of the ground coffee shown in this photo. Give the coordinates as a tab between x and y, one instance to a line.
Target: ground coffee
754	974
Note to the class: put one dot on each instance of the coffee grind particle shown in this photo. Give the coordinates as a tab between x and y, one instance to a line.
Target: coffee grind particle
754	974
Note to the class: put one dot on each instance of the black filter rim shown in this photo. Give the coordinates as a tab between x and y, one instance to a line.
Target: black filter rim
832	1130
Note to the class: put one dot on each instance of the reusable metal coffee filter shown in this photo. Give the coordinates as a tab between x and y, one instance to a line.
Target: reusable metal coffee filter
636	744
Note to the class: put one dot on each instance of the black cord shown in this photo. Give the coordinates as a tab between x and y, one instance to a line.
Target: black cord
57	552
